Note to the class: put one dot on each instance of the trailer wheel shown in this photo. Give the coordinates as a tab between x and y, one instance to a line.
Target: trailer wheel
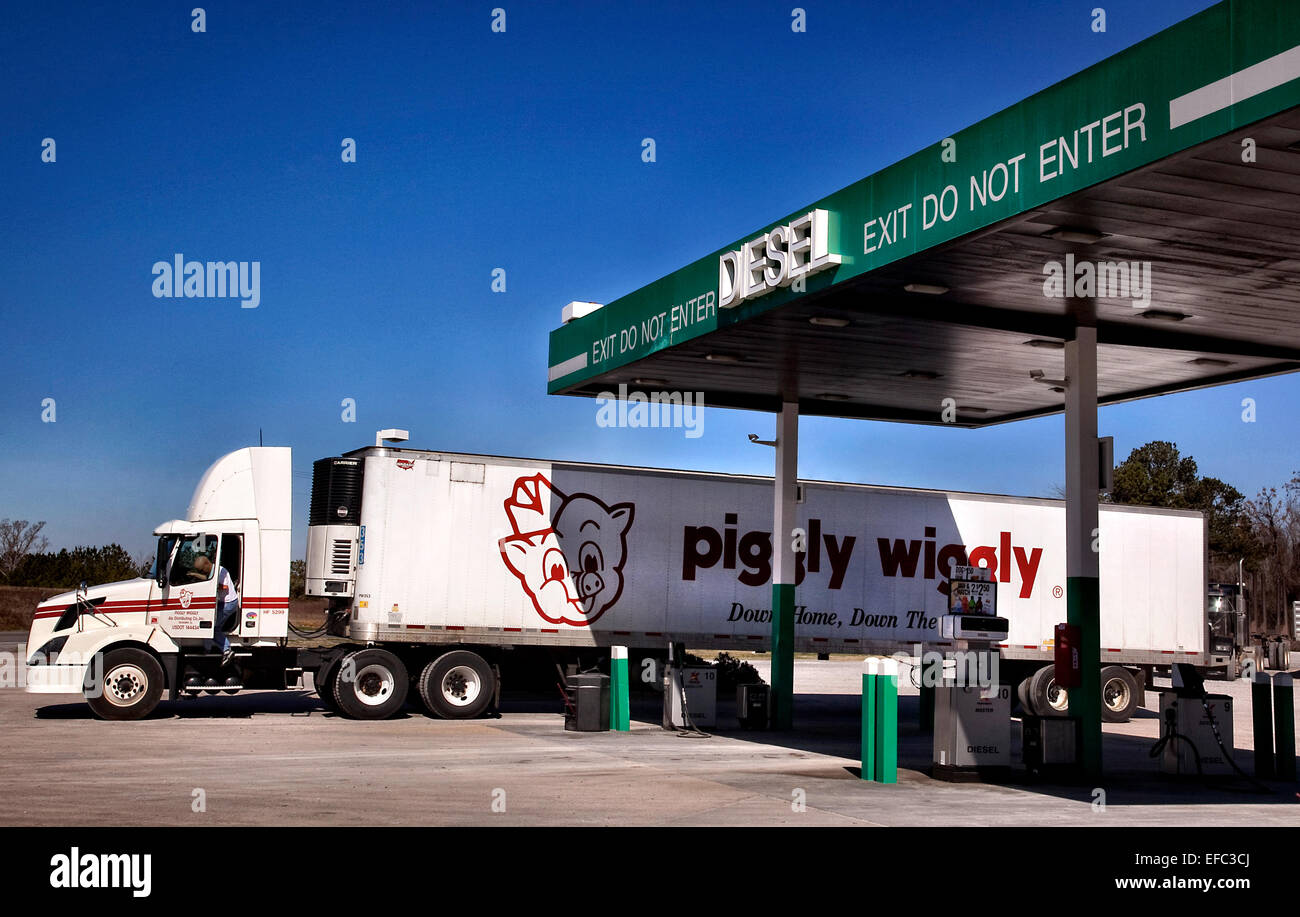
1048	698
1023	695
130	686
1119	694
458	685
370	684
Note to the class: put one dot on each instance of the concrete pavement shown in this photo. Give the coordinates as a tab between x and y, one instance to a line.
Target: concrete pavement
277	758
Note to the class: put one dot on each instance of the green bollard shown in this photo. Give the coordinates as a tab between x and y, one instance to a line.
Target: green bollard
1284	726
887	722
620	717
1262	722
870	676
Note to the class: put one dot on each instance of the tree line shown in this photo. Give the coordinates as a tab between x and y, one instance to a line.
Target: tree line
25	562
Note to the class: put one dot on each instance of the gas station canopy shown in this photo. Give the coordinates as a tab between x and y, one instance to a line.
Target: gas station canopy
1160	188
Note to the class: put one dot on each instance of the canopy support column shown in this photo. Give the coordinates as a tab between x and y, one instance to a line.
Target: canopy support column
783	566
1082	590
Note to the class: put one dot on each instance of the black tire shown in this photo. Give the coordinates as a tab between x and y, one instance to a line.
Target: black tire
1022	695
324	682
458	685
1120	694
370	684
129	686
1048	698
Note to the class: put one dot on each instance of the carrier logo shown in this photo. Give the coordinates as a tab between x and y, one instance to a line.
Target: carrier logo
186	595
570	563
405	464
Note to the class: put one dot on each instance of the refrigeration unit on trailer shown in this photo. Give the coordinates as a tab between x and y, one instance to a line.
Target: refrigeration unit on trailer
442	570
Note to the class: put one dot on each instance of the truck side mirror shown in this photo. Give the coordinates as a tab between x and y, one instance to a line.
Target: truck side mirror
160	563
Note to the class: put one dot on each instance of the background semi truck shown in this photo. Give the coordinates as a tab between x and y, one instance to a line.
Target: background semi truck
442	571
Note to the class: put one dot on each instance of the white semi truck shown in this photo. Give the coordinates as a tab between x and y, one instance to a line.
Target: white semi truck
441	570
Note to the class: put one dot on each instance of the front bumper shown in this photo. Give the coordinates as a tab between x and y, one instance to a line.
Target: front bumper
54	679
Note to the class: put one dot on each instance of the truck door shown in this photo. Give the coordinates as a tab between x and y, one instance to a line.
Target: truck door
189	599
232	559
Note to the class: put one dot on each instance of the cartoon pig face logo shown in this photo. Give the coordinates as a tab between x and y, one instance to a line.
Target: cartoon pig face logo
570	562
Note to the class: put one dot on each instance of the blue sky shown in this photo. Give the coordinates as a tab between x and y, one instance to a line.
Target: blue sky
475	150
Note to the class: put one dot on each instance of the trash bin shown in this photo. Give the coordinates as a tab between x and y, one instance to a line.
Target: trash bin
587	709
1050	743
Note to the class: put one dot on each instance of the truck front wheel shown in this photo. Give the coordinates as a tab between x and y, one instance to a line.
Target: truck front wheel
130	687
457	685
370	684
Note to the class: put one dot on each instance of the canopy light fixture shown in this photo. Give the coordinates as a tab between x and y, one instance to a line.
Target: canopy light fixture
1046	344
1057	385
921	374
971	410
831	396
722	358
1163	315
929	289
828	321
650	383
1076	235
1209	361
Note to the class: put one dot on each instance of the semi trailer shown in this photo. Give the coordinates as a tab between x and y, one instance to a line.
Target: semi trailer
440	572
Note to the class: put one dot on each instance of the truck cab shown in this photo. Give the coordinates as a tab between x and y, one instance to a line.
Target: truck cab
122	645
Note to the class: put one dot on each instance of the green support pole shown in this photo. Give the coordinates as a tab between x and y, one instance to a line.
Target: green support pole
887	722
1083	608
784	572
620	716
1284	726
870	676
782	656
1262	721
1083	548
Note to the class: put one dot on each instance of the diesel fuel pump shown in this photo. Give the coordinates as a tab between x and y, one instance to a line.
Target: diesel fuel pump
972	710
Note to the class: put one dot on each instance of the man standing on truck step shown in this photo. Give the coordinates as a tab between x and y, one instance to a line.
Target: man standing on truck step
227	605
